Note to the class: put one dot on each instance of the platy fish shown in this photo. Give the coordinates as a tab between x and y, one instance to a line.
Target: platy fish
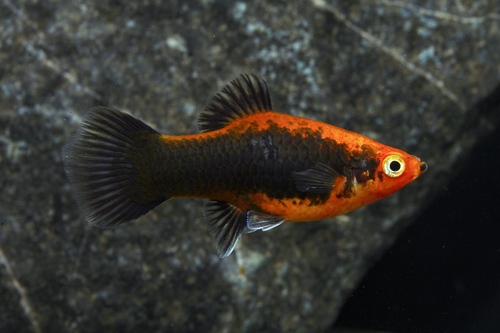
257	167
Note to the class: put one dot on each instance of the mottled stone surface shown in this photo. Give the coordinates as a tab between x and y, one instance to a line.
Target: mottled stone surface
411	77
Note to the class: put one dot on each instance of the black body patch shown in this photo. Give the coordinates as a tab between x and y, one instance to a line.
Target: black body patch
281	163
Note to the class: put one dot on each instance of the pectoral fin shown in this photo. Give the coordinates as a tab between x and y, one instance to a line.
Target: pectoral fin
318	179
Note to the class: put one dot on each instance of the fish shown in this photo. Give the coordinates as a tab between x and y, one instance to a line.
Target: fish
258	168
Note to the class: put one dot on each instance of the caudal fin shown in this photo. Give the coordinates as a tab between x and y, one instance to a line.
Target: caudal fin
103	160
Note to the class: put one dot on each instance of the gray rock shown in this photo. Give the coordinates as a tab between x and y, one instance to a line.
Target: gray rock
416	78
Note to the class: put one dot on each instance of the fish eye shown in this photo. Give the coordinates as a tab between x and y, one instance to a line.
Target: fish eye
393	166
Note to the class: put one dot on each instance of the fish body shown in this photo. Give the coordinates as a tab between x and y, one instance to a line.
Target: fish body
258	167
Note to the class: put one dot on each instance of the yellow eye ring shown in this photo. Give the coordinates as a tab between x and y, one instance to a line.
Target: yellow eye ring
394	166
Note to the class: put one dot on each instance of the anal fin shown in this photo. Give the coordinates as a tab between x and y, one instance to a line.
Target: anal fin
227	224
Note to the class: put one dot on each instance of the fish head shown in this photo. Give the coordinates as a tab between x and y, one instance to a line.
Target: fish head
396	169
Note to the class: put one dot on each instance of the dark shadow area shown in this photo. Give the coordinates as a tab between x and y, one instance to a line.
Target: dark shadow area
443	273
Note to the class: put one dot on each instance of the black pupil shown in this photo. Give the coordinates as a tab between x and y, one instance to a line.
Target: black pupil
395	166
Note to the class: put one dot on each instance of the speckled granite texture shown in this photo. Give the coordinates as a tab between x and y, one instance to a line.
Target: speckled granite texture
414	75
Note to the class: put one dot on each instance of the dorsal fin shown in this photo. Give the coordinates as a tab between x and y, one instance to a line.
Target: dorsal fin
243	97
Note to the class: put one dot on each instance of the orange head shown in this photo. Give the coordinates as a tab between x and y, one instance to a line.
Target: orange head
396	169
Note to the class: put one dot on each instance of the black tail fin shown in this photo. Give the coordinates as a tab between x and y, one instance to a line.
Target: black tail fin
101	164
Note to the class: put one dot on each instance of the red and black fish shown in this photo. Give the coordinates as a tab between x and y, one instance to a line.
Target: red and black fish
259	168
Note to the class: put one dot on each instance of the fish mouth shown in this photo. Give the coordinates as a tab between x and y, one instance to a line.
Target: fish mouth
423	167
